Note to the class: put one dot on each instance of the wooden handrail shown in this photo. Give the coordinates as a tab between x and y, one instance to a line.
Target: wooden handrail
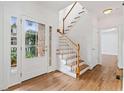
70	10
67	16
78	62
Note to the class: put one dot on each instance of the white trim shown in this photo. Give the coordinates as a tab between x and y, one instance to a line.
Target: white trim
1	49
106	53
120	55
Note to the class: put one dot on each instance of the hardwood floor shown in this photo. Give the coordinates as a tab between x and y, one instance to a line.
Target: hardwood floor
100	78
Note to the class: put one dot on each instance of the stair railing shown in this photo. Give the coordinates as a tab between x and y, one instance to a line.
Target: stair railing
67	16
76	46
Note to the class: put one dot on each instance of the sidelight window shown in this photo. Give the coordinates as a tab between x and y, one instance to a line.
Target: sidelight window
13	41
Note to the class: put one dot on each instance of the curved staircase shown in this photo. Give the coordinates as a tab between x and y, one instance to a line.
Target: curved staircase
69	50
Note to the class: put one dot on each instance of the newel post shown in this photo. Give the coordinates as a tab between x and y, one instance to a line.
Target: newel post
78	61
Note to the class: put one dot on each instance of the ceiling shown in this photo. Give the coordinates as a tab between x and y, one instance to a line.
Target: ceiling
54	6
95	7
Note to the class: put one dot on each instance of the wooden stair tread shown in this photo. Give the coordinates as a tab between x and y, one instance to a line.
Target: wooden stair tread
83	66
71	57
66	49
81	12
66	30
63	44
74	63
68	52
70	26
77	17
73	22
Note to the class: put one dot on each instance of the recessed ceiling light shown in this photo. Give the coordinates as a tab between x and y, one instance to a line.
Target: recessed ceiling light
107	11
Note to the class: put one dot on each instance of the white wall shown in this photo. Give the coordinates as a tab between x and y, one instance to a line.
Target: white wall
109	42
110	21
33	11
123	40
1	48
85	32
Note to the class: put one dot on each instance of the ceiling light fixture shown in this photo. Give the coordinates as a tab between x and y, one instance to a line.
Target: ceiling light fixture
107	11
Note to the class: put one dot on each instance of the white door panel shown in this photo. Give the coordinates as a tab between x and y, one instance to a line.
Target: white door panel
35	68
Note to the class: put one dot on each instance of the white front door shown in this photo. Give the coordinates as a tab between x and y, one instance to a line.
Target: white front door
33	48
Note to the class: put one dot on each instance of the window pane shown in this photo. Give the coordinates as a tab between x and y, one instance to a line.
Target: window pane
31	52
31	39
13	41
13	57
13	26
34	39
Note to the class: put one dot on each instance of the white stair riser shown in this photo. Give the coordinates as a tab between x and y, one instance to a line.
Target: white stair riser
61	47
67	53
65	56
74	67
67	49
71	60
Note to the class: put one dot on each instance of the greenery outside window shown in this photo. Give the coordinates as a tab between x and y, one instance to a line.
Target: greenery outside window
34	36
13	41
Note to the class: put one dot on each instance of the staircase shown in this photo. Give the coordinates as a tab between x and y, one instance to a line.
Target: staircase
69	50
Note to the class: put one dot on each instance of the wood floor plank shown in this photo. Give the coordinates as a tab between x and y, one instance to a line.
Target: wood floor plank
102	77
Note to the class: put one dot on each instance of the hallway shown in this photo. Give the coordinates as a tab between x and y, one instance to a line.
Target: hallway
100	78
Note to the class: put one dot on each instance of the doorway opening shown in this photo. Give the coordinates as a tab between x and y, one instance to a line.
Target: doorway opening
109	48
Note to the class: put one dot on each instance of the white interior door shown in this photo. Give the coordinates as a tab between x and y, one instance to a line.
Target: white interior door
33	48
95	46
